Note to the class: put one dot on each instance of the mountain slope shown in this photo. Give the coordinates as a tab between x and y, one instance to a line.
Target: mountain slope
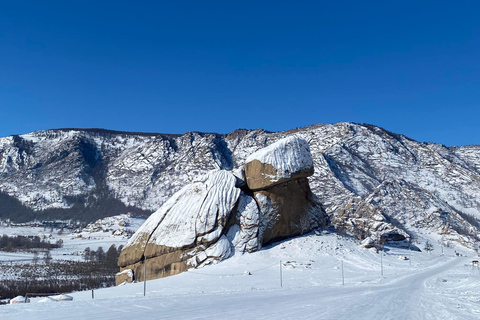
362	173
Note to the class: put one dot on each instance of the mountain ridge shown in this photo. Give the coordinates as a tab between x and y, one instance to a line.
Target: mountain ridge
354	165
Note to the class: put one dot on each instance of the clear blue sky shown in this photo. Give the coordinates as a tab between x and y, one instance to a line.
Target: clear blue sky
412	67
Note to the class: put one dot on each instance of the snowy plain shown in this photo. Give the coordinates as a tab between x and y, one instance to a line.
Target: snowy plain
98	234
299	278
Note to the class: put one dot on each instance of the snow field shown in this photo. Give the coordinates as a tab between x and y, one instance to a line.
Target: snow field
311	287
73	243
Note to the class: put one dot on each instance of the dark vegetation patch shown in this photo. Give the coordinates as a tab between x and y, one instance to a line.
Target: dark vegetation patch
59	276
84	209
22	243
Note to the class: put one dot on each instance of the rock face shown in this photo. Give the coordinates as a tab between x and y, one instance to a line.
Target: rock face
284	207
124	276
212	218
284	160
278	175
188	228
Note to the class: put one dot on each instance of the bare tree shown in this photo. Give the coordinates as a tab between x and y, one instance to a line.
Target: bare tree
86	254
47	257
100	254
35	258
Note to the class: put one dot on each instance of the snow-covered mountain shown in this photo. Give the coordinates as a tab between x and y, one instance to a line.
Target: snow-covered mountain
369	180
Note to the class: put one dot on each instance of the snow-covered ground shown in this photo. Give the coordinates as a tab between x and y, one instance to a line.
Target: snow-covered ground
102	233
248	286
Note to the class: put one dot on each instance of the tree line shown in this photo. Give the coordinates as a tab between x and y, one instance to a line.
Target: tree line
48	276
84	208
108	258
22	243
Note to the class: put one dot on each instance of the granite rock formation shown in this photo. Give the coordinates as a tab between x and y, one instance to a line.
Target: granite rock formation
277	175
218	215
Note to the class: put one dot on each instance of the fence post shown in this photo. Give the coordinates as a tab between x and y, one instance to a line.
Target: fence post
144	275
381	263
93	296
410	255
281	275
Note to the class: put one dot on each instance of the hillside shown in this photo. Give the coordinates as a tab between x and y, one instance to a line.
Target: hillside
369	180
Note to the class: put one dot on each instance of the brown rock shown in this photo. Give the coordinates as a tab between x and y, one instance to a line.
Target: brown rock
131	254
263	175
288	209
126	275
191	223
165	265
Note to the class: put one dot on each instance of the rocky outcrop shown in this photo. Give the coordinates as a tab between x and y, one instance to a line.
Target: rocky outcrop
125	276
185	230
278	175
216	216
288	209
285	160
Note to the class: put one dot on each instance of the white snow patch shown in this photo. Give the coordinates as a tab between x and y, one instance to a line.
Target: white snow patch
287	156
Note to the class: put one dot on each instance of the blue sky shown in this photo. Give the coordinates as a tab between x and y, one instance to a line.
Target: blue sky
412	67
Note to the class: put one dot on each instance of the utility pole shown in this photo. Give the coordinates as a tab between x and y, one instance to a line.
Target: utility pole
144	275
281	280
381	263
410	253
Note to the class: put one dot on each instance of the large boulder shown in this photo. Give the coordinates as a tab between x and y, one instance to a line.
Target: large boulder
219	215
277	175
185	229
244	231
288	209
284	160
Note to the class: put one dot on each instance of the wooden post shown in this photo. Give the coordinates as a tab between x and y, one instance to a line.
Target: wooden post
93	297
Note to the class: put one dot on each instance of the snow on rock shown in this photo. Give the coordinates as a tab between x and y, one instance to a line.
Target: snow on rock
244	235
368	242
239	173
126	276
221	250
194	218
286	159
212	218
